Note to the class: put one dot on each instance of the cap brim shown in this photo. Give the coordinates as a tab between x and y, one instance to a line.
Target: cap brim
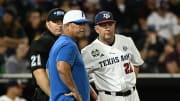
81	21
56	19
105	21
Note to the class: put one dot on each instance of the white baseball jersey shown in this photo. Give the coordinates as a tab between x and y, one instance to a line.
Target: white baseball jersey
166	26
5	98
112	65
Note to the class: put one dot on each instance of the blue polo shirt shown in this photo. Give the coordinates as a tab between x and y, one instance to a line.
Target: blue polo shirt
65	49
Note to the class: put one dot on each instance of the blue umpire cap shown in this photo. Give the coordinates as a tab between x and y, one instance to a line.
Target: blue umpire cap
103	17
55	14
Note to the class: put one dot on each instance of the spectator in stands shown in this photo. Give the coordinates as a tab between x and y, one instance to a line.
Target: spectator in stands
65	5
172	61
174	6
91	8
2	59
166	23
18	63
125	16
106	4
168	49
1	8
11	31
151	50
148	7
13	92
44	15
74	5
33	26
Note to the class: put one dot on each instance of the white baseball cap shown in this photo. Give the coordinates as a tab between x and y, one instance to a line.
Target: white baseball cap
76	16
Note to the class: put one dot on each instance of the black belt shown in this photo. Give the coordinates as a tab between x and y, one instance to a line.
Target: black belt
126	93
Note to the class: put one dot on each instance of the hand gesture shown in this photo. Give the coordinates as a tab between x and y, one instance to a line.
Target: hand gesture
76	95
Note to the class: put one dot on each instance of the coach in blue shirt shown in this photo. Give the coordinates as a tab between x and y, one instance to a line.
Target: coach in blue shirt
65	66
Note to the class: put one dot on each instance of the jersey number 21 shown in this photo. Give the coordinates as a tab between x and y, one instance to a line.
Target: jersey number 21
35	60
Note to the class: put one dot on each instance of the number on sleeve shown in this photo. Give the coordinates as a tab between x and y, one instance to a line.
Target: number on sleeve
128	68
35	60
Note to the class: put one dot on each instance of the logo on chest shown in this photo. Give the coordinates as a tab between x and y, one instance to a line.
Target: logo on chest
96	53
125	48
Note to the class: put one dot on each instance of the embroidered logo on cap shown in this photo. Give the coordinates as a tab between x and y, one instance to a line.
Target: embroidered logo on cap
106	16
58	13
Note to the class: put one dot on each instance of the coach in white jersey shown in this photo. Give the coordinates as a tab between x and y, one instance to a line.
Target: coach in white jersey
111	58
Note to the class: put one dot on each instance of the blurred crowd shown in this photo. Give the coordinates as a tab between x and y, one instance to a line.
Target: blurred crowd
154	26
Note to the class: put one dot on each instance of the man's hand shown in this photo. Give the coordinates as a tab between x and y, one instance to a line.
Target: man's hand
93	94
76	95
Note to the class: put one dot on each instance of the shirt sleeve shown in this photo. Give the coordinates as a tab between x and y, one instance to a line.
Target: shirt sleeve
37	57
136	57
9	66
174	25
151	19
67	53
39	52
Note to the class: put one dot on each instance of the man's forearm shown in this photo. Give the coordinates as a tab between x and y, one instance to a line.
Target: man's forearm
16	40
6	44
64	70
12	42
42	80
136	70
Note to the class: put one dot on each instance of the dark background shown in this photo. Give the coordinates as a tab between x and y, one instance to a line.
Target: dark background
149	89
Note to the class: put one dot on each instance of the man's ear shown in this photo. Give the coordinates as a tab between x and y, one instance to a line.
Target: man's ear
47	24
68	26
96	29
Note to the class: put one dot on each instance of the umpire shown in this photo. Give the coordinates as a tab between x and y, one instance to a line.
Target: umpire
39	52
